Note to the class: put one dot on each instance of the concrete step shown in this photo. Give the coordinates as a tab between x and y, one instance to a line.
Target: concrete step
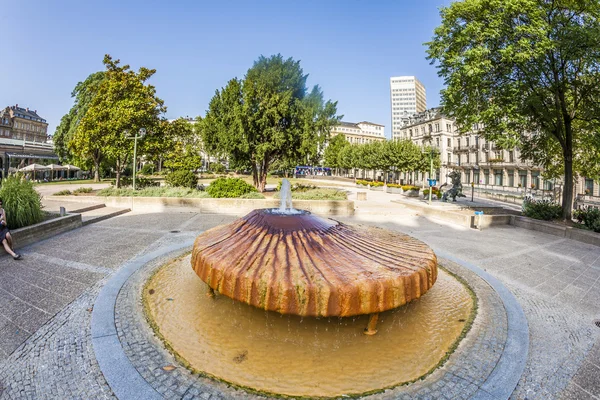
100	214
86	208
70	206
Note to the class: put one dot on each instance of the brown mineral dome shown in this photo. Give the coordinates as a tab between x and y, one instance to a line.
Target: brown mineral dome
311	266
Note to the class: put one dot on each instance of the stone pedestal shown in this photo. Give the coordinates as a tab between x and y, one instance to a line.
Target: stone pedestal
361	196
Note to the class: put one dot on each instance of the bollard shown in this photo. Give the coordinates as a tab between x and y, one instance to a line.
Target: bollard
63	212
479	215
361	196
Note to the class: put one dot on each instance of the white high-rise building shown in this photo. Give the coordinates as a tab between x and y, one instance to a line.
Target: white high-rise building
407	97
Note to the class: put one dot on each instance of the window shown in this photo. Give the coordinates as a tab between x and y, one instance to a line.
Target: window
437	127
511	156
449	142
449	157
467	142
589	186
511	178
498	177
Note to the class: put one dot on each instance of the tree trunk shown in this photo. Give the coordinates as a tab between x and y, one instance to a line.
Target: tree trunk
96	171
118	181
255	175
567	200
263	175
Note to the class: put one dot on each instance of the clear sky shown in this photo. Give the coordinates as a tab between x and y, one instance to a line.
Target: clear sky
350	48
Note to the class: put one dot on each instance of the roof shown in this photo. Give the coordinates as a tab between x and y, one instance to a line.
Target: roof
26	113
370	123
349	124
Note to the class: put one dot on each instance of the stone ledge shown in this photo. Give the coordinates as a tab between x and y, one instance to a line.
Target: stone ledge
38	232
580	235
212	206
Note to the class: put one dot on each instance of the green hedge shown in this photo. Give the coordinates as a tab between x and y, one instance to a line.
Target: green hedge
21	202
542	209
182	178
410	187
588	216
229	187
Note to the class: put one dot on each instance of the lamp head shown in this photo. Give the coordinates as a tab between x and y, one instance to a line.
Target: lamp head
142	131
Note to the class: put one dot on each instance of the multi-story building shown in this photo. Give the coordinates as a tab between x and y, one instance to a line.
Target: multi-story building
407	97
480	161
23	139
360	133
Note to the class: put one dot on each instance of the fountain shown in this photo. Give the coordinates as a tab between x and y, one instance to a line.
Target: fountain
302	289
293	262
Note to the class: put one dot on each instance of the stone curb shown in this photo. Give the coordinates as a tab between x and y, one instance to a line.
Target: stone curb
506	375
124	380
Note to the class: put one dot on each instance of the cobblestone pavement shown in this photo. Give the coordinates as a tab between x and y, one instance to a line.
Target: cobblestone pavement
46	300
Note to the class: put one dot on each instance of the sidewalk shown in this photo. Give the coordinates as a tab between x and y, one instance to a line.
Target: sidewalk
46	299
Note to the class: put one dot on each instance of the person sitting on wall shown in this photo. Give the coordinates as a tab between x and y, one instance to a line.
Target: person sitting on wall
5	236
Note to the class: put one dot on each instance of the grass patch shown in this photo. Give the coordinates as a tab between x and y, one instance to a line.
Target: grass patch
153	192
319	194
252	195
65	192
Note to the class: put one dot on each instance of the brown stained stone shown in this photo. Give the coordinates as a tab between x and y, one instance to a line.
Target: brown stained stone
311	266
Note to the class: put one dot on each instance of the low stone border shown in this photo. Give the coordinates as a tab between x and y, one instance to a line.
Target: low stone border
211	206
580	235
38	232
487	363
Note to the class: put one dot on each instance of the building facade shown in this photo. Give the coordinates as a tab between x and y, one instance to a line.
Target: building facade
23	140
407	97
481	162
360	133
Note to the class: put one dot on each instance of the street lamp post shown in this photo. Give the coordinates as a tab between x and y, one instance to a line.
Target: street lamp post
431	180
142	133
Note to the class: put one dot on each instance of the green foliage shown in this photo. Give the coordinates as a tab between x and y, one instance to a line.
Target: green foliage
182	178
588	216
268	117
541	209
434	192
83	190
394	185
297	187
140	182
182	145
122	105
162	191
528	71
83	94
65	192
410	187
217	168
21	202
319	194
252	195
147	169
229	187
332	152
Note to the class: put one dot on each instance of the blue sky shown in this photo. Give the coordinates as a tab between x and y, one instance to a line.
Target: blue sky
350	48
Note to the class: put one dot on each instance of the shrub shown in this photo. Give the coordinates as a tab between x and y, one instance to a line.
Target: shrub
83	190
434	192
394	185
217	168
589	216
65	192
140	183
153	192
252	195
297	187
229	187
410	187
21	201
541	209
182	178
319	194
147	169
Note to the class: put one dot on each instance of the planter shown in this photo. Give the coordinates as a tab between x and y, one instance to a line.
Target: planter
394	190
379	188
412	193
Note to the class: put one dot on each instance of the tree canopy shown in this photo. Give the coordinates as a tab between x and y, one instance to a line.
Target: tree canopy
529	71
122	105
268	117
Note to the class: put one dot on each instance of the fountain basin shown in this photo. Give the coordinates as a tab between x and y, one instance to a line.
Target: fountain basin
305	265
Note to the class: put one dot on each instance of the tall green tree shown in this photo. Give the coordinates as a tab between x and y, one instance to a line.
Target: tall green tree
332	151
267	117
123	104
184	145
529	71
83	94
